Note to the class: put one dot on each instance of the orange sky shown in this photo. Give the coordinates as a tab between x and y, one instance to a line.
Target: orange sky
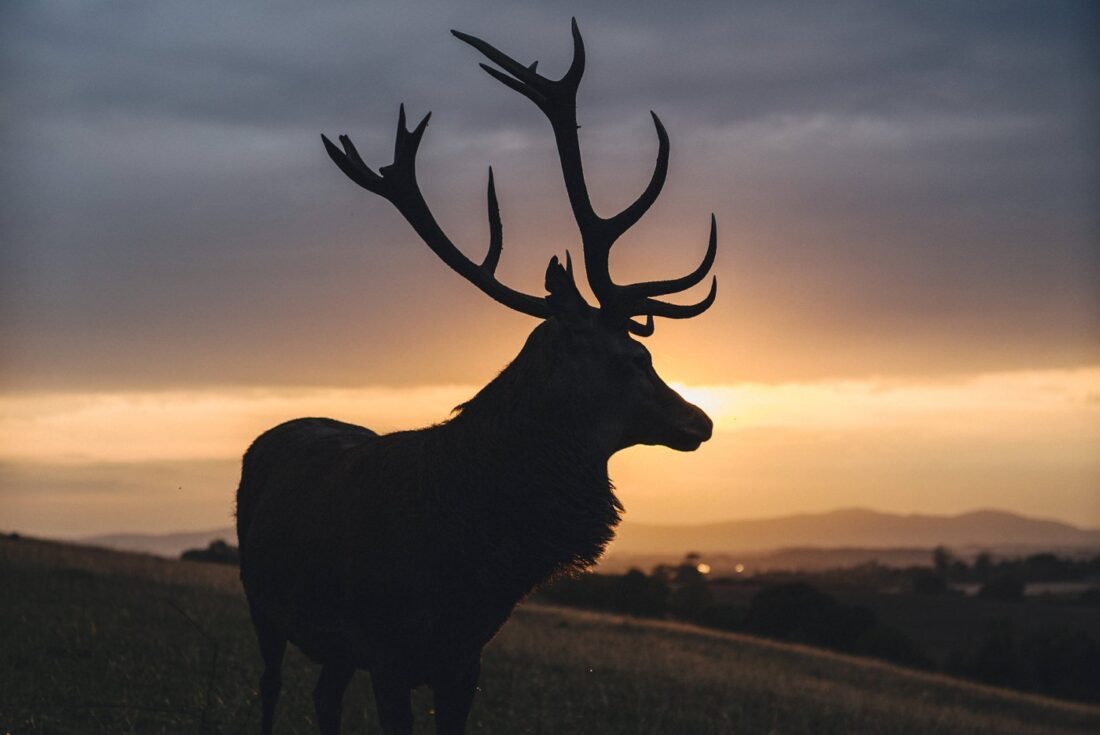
77	463
908	312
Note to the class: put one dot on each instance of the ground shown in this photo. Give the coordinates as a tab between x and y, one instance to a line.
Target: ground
101	641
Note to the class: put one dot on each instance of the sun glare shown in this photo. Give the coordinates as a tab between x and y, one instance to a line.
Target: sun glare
717	403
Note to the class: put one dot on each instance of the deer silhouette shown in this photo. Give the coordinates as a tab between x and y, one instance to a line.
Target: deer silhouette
403	554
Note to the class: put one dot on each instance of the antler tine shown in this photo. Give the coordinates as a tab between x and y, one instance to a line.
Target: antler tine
406	143
525	79
397	184
642	330
627	218
636	291
351	164
652	307
523	73
572	77
496	232
525	89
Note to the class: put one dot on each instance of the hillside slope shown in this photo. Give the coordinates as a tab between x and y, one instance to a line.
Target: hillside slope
104	641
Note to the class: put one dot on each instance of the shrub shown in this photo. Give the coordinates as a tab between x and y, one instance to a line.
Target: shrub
218	552
1062	662
927	582
632	593
723	617
637	594
1008	587
799	612
989	658
782	610
890	644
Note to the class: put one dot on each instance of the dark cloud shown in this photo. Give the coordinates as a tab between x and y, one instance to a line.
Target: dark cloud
901	187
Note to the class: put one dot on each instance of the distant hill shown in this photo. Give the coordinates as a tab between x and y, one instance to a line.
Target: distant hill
163	544
855	528
840	529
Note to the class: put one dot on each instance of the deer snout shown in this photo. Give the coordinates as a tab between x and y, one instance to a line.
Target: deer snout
693	428
665	418
687	425
700	424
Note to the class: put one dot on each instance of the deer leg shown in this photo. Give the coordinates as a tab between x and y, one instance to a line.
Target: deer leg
328	696
391	697
272	648
453	698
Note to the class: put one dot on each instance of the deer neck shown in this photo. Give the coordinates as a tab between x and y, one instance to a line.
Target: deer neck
517	415
548	444
538	489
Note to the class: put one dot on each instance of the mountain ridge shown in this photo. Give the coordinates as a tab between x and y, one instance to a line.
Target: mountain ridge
841	528
857	527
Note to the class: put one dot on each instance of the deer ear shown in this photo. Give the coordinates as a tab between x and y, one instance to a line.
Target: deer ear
564	299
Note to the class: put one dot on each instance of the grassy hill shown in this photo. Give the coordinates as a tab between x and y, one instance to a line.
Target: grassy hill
103	641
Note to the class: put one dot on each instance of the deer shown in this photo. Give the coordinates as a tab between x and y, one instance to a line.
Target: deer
403	554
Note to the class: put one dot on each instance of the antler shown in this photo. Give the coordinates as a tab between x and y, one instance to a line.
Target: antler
558	101
397	183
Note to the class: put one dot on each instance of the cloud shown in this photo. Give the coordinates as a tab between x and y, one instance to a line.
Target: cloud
900	188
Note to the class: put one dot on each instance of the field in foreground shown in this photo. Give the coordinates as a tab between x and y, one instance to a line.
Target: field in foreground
100	641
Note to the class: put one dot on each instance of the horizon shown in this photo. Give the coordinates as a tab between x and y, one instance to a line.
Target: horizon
907	246
834	511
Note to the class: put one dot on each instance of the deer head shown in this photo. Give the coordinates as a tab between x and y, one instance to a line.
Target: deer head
594	365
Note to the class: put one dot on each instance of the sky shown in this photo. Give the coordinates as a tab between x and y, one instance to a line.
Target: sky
909	243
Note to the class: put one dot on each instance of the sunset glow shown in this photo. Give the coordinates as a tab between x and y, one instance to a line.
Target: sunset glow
896	445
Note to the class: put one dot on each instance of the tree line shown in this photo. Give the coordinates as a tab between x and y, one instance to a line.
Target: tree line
793	607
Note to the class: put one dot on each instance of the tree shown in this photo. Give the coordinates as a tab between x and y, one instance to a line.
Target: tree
784	610
926	582
1008	587
942	558
637	594
983	564
217	552
691	593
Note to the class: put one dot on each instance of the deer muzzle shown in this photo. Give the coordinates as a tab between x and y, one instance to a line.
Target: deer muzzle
694	428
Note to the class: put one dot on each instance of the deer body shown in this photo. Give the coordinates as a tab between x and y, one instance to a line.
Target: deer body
404	553
429	555
455	523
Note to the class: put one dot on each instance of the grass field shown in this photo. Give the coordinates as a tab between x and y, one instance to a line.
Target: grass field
100	641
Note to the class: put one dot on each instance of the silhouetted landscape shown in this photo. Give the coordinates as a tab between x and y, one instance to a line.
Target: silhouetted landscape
844	536
1028	622
1019	618
1009	601
133	642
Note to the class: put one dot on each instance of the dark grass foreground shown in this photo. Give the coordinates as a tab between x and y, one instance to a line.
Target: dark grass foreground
99	641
